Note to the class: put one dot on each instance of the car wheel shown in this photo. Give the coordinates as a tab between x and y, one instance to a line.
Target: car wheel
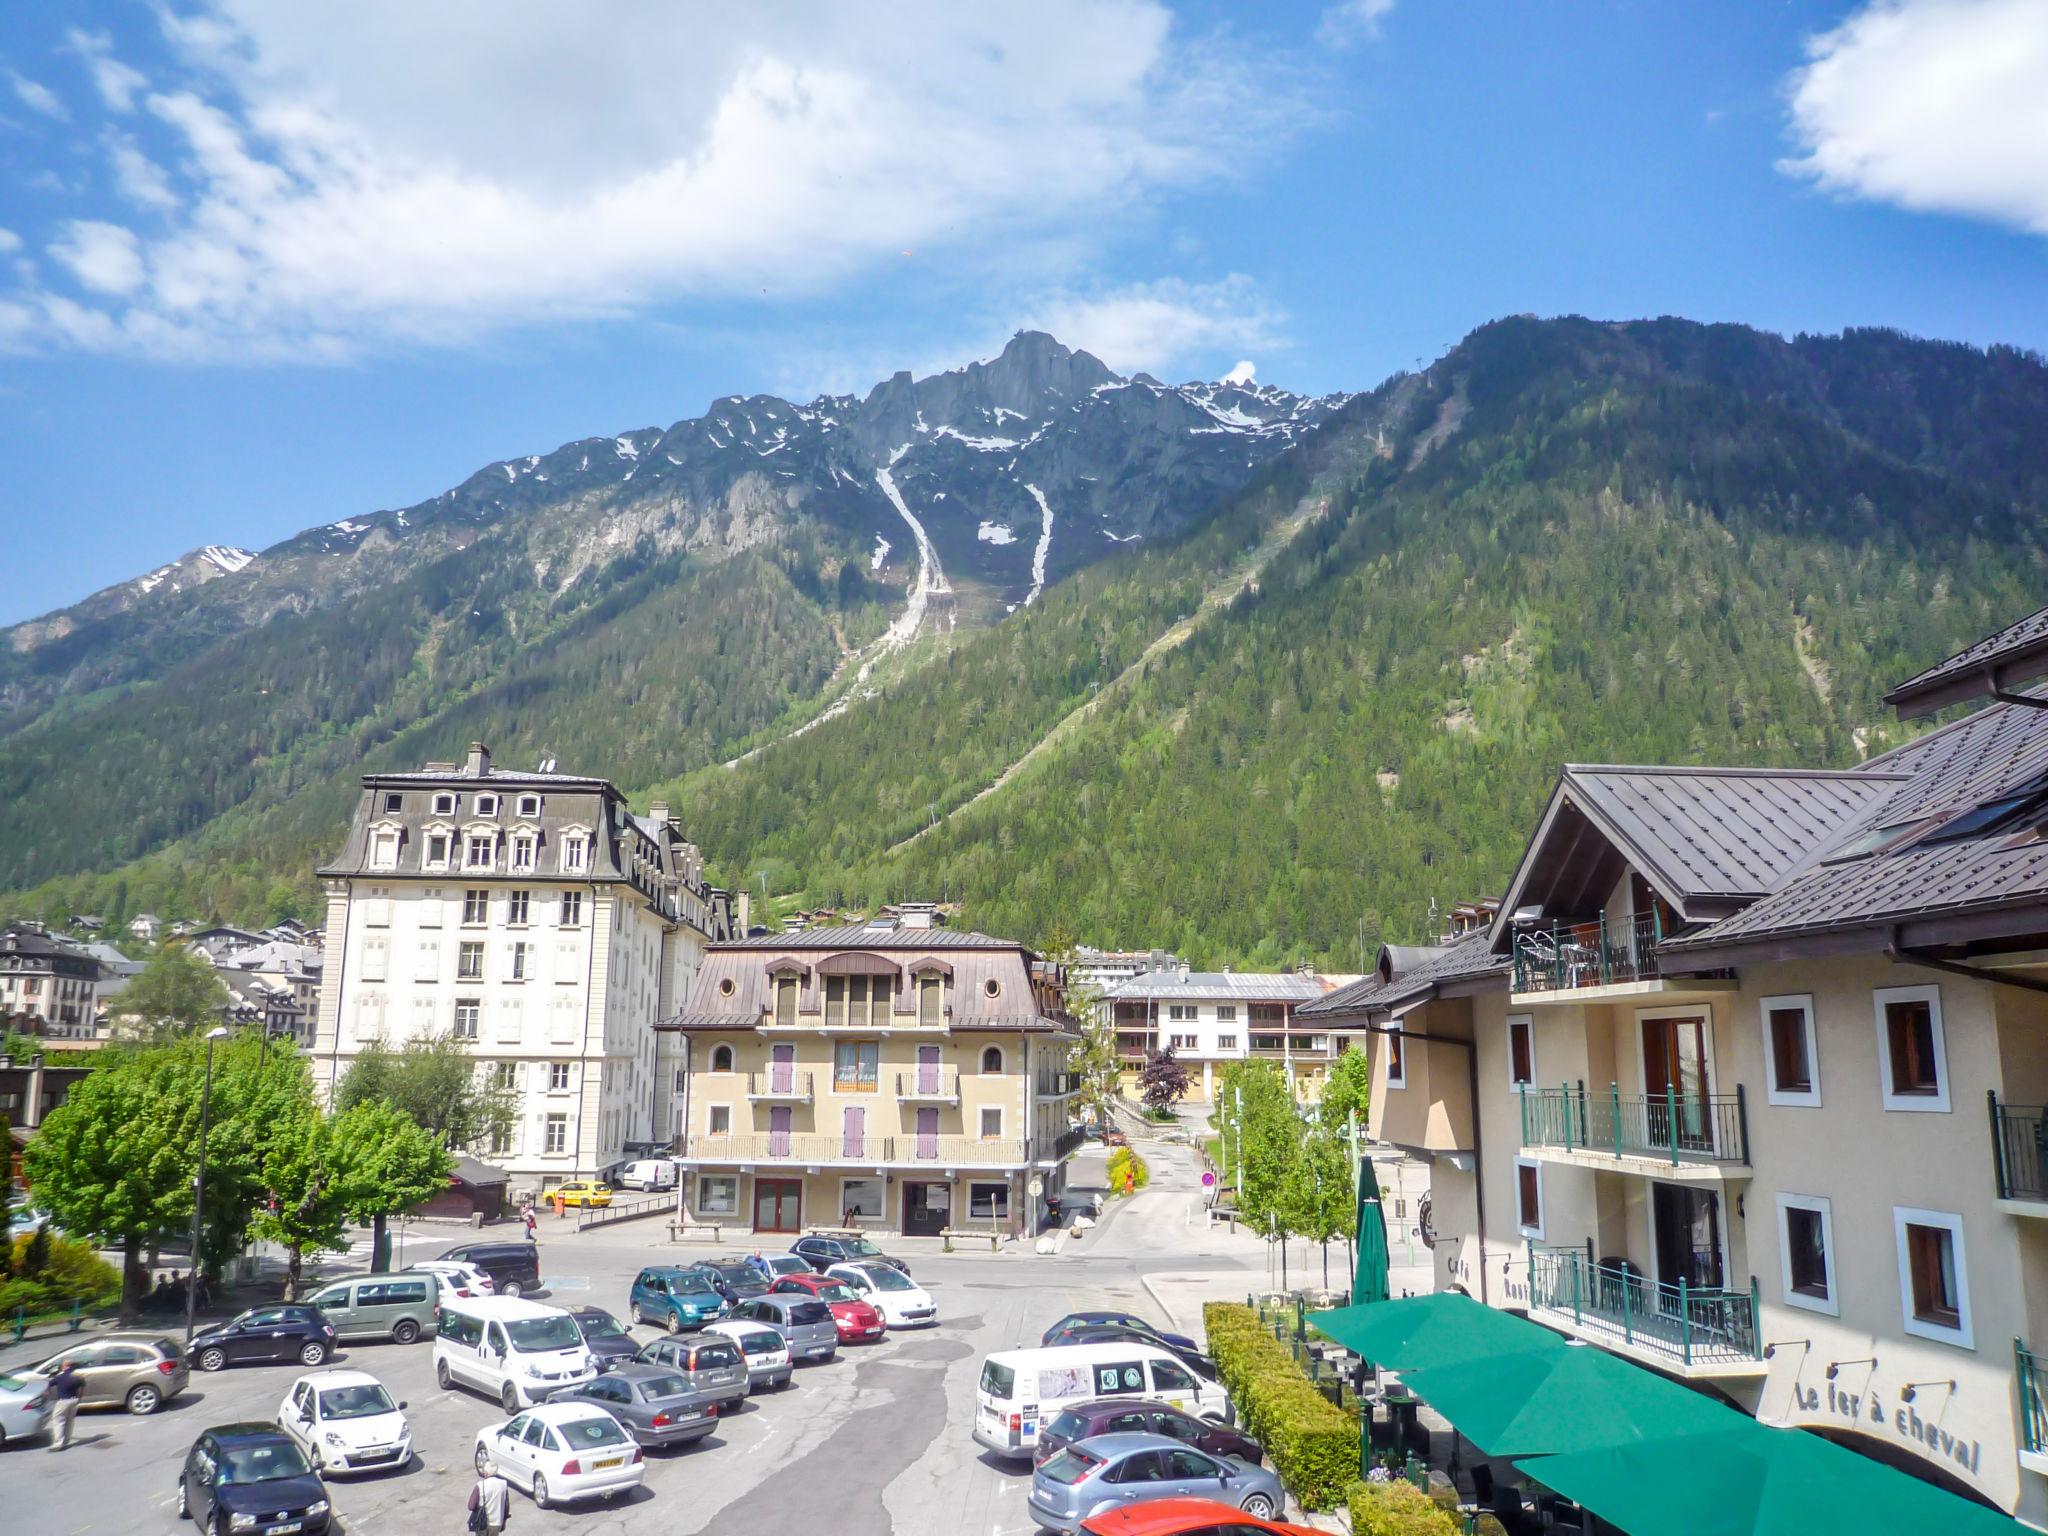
441	1375
513	1288
540	1491
213	1358
312	1354
508	1398
404	1331
675	1321
637	1318
483	1459
1259	1506
184	1506
144	1399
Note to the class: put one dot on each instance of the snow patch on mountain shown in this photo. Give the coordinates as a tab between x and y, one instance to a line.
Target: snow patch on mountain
880	556
1044	546
226	558
995	533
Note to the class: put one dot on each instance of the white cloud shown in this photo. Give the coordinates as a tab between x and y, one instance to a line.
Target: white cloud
1244	373
9	242
390	170
1351	22
141	180
38	97
105	258
1161	326
1934	105
118	84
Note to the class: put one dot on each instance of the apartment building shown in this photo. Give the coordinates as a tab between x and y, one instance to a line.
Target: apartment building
1209	1019
1744	1081
896	1075
539	920
48	980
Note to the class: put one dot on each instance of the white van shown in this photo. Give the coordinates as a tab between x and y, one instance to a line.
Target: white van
649	1173
517	1351
1022	1389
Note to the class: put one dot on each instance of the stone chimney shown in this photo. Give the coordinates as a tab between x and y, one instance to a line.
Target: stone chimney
478	764
658	814
917	914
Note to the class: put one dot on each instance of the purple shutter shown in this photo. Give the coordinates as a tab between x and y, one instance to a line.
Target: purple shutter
927	1069
927	1133
853	1136
781	1068
778	1131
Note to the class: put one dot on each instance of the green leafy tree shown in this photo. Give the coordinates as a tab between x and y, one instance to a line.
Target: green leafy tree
390	1163
1322	1204
175	993
1346	1089
434	1079
6	1201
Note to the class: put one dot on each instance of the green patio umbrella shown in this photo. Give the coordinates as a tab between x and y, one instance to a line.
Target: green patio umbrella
1441	1329
1370	1283
1756	1481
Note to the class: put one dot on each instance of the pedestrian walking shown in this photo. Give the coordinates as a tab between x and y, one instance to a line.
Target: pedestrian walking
532	1226
490	1501
65	1390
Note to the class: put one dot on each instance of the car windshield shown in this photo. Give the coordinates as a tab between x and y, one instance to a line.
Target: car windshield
746	1281
788	1264
838	1290
261	1463
1069	1466
861	1248
359	1402
555	1332
599	1325
694	1282
586	1434
888	1279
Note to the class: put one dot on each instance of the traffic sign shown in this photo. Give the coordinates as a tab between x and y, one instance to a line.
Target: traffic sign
1208	1179
1035	1188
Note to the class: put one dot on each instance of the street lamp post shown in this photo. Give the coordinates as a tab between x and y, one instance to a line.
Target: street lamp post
199	1182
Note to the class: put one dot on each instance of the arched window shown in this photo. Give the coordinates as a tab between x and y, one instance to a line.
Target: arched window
992	1061
721	1058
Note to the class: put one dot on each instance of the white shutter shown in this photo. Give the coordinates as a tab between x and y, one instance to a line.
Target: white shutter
568	960
429	907
377	912
369	1021
376	957
562	1022
423	1020
427	961
509	1015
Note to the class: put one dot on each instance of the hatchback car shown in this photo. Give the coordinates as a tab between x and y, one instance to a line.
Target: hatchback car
456	1278
773	1266
857	1321
1133	1415
24	1407
1186	1517
707	1363
346	1422
823	1252
265	1333
137	1371
251	1480
765	1349
674	1297
1077	1320
800	1318
902	1302
560	1452
582	1192
514	1268
604	1336
1082	1480
654	1404
397	1307
736	1279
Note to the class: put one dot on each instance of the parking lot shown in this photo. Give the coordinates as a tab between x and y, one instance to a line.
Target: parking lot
874	1442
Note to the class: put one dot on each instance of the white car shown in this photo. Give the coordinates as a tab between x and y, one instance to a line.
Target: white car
902	1302
560	1452
346	1422
766	1350
457	1278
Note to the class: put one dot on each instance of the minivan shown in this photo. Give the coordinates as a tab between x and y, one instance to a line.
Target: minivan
649	1173
397	1307
514	1268
517	1351
1022	1389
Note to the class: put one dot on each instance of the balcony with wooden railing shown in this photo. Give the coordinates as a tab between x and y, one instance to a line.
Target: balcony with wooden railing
1669	1128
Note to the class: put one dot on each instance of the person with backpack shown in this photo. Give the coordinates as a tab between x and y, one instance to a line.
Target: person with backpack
490	1501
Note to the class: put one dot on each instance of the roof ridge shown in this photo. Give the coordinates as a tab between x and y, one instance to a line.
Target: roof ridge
1703	770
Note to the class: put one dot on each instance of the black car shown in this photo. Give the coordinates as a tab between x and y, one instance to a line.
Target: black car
1118	1333
604	1336
734	1279
264	1333
821	1253
251	1480
514	1268
1058	1332
1134	1415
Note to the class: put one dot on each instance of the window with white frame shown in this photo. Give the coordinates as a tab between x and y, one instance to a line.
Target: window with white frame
384	849
476	906
468	1012
1226	1013
529	805
517	905
721	1120
1226	1042
444	805
1806	1252
1529	1197
992	1061
393	804
469	962
721	1058
991	1122
558	1077
1181	1013
1791	1060
487	805
575	852
1934	1287
572	909
523	852
1910	1051
718	1194
518	963
1521	1050
437	850
479	851
555	1136
1397	1064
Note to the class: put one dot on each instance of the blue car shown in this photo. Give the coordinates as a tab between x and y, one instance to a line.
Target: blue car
675	1297
1076	1322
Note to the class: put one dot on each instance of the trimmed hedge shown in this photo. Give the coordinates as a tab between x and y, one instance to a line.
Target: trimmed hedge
1398	1508
1313	1443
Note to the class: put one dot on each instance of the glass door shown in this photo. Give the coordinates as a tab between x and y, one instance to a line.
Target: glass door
1675	1083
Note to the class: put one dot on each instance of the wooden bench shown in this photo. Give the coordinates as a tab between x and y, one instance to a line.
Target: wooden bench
678	1230
974	1235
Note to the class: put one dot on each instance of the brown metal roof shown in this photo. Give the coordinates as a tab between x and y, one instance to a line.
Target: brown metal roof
1423	970
2016	654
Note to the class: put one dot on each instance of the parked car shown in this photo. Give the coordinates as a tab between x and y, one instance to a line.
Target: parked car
708	1363
291	1332
649	1173
804	1321
251	1479
857	1321
1186	1517
675	1297
902	1302
1075	1320
1023	1390
514	1268
561	1452
653	1404
458	1278
765	1349
1135	1416
604	1336
1115	1138
1117	1333
517	1351
398	1307
346	1422
137	1371
773	1266
736	1279
24	1407
823	1252
581	1192
1084	1480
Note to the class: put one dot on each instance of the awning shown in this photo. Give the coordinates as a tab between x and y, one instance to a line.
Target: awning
1440	1329
1756	1481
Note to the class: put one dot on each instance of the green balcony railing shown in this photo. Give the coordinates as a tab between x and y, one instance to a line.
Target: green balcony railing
2019	1145
1671	1126
2031	1374
1688	1324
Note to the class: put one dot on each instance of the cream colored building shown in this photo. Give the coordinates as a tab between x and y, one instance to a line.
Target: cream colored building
1744	1083
905	1077
536	918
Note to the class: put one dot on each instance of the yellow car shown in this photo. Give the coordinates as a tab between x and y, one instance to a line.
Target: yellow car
584	1192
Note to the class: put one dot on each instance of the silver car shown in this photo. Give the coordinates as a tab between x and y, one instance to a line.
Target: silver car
1083	1479
24	1407
799	1317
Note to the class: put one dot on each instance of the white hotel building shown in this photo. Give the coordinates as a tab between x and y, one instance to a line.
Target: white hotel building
535	917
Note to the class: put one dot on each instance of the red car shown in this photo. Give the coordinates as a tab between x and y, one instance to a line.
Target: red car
1185	1517
857	1321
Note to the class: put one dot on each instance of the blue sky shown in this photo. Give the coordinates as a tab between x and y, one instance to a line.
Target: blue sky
262	267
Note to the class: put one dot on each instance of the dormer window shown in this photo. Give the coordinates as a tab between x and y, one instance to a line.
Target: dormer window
384	848
444	805
523	852
529	806
437	850
487	805
928	1000
576	852
393	804
479	851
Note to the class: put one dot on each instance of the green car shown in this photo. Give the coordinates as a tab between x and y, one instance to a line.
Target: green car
675	1297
